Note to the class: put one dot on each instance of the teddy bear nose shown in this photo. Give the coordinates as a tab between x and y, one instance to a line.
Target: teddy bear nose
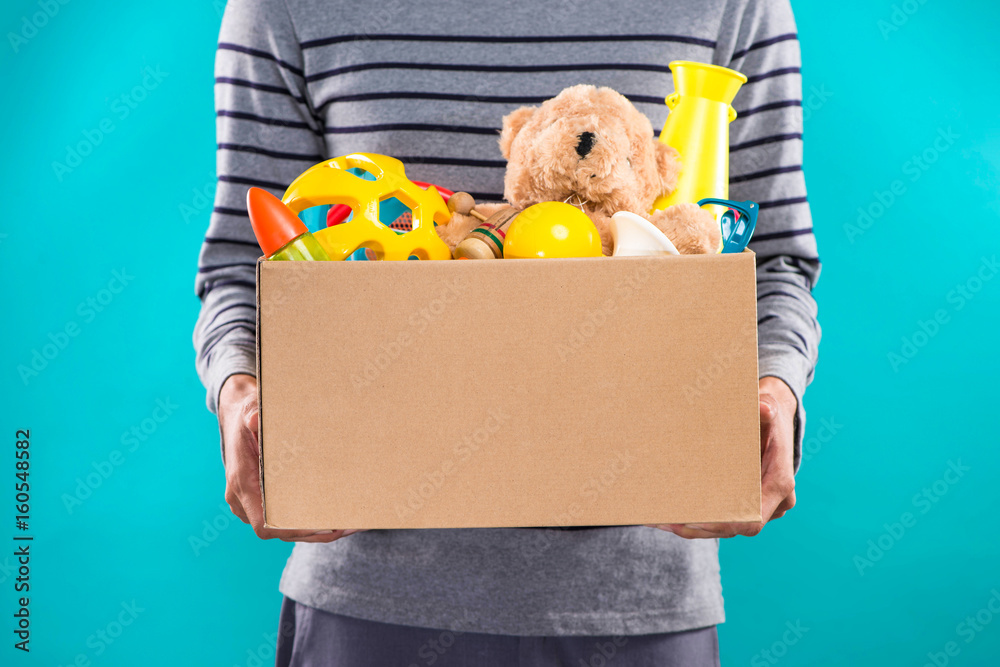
585	143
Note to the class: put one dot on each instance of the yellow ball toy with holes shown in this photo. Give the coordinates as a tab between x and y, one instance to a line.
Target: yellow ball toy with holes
330	182
551	229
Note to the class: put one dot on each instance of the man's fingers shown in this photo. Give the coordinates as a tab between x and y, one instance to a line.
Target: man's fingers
235	505
248	491
778	481
235	465
321	537
301	535
250	417
785	505
772	486
689	531
777	472
773	493
309	535
293	535
711	530
246	486
748	529
769	409
732	529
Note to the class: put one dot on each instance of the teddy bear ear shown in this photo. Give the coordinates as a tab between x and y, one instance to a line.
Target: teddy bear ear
668	165
512	124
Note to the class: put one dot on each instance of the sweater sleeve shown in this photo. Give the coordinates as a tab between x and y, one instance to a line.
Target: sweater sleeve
766	167
267	134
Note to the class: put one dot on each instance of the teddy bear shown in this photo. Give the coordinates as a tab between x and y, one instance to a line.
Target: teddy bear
590	147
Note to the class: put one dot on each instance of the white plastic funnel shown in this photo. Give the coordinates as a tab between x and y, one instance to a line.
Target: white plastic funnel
634	236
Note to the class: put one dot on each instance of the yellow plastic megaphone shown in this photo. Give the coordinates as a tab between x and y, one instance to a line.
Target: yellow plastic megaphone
698	127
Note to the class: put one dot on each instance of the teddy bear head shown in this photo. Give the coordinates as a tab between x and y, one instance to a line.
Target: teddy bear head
589	146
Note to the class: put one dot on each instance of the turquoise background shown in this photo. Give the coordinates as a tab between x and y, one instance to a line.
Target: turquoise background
877	100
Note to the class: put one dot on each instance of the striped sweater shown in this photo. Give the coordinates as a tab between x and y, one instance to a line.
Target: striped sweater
428	82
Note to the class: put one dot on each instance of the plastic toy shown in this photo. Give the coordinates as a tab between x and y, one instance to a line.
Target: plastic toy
592	148
738	223
362	255
634	236
339	213
698	127
551	229
279	231
329	182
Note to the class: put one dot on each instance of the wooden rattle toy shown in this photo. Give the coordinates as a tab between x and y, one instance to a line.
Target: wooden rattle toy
486	240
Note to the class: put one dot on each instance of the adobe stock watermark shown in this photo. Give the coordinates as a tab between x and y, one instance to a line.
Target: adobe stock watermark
814	101
967	630
957	298
913	170
131	440
828	430
779	649
262	655
103	638
899	16
278	460
749	158
604	652
211	529
720	363
471	443
615	469
381	17
32	23
121	108
418	322
202	199
923	502
57	341
435	648
272	298
585	330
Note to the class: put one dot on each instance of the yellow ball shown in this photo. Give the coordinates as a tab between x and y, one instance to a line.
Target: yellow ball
551	229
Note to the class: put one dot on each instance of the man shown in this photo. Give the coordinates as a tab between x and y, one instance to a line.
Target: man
428	82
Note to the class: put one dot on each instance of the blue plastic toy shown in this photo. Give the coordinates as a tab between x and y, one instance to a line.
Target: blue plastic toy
738	223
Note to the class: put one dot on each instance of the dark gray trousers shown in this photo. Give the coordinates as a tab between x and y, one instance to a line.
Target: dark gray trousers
309	637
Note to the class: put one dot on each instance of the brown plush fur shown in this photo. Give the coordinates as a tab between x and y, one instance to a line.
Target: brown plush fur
625	170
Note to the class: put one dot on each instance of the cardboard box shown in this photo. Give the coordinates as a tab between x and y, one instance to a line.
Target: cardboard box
559	392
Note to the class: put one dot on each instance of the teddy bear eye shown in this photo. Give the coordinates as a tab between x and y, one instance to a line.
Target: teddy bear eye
628	161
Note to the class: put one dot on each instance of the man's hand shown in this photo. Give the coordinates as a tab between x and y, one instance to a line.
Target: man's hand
777	484
238	420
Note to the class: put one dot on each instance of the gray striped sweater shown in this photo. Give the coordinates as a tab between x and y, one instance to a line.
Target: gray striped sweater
428	82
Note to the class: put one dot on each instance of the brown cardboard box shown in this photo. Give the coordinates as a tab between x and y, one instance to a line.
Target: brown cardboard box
550	392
